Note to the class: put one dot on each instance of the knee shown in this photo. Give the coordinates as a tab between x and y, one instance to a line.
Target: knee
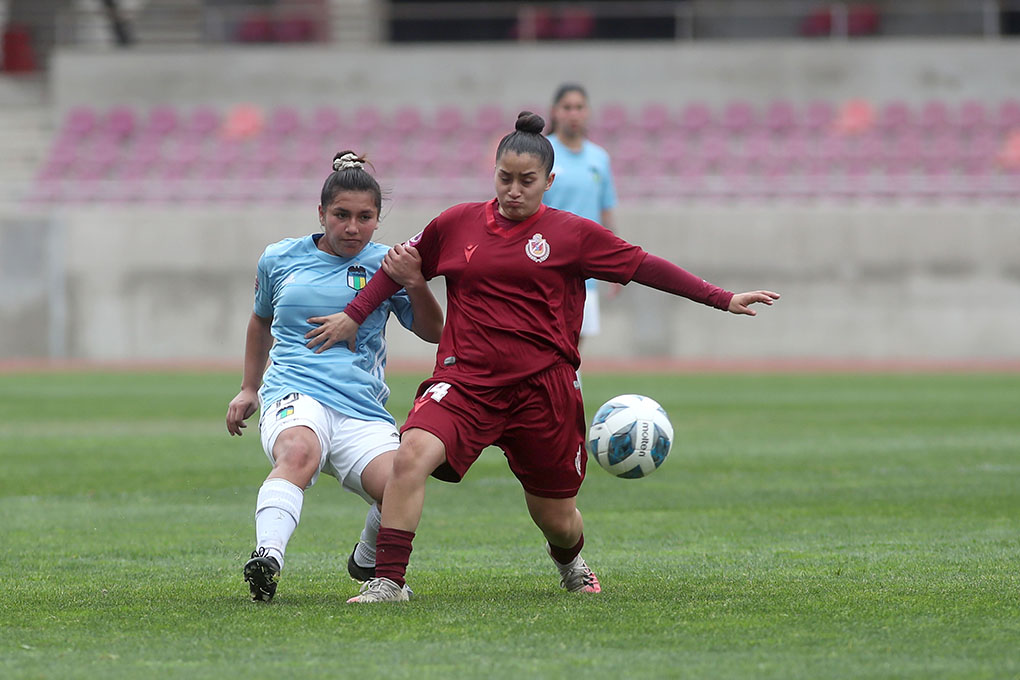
409	463
297	453
417	459
562	527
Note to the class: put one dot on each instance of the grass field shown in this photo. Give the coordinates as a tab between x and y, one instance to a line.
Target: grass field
805	526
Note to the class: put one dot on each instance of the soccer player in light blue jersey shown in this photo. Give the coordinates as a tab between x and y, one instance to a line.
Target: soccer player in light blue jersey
584	181
325	412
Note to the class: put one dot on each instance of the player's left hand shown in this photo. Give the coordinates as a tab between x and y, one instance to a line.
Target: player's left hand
741	302
332	329
403	265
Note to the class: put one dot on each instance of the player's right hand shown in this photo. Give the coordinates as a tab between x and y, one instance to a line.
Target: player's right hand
332	329
240	409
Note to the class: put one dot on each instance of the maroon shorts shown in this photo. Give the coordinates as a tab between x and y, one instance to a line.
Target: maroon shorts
539	424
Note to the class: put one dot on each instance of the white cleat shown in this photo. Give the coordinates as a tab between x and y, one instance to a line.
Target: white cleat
382	590
577	577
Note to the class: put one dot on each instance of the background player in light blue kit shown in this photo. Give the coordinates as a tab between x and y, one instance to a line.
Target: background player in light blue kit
584	181
324	412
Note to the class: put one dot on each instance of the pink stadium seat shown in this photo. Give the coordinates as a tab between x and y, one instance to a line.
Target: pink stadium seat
654	119
488	120
757	151
366	120
612	119
695	118
466	154
406	120
1008	115
161	121
780	117
448	120
119	122
670	152
894	117
283	122
202	122
934	116
80	121
818	117
325	121
972	117
904	153
790	156
738	117
628	153
713	151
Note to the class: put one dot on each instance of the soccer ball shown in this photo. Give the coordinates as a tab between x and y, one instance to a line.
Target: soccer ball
630	436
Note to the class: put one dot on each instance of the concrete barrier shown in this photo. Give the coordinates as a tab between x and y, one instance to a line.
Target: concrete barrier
910	283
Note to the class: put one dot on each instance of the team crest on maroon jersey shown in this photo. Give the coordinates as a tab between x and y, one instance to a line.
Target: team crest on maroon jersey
537	248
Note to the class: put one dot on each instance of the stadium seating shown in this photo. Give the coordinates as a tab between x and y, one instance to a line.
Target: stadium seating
779	150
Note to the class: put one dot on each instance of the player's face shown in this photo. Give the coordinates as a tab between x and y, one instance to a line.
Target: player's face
520	184
571	115
349	222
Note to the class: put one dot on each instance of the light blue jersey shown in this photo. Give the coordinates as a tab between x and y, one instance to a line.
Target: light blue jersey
584	182
296	281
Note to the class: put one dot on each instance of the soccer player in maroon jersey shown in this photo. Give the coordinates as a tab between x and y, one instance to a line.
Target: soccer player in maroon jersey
505	370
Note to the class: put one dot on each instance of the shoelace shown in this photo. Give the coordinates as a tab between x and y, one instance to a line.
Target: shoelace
374	585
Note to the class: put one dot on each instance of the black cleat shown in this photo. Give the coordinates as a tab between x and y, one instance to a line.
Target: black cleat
358	572
261	573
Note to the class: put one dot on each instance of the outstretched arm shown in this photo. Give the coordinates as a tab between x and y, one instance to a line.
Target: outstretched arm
403	265
258	341
665	276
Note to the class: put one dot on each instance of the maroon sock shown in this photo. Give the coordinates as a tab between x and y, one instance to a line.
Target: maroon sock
561	555
392	552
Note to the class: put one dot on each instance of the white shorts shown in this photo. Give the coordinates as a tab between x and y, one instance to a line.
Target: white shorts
590	321
347	444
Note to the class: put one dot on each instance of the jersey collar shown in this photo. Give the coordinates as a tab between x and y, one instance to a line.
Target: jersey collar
490	220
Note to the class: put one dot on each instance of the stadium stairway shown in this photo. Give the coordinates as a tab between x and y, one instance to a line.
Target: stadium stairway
169	22
27	121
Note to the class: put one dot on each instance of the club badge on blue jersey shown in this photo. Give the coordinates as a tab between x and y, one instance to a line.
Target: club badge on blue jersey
357	277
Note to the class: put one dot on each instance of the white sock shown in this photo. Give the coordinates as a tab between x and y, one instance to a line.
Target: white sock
364	554
277	514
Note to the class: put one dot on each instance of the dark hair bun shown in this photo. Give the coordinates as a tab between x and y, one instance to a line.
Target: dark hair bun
530	122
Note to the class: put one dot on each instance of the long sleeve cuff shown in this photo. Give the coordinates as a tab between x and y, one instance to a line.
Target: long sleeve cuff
665	276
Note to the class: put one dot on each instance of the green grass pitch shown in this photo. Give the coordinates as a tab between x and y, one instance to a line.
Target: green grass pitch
804	526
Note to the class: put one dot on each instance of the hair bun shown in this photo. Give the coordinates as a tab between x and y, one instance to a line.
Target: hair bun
530	122
345	160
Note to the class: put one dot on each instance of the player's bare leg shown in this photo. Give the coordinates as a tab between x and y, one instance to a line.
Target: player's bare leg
562	525
361	561
419	454
278	510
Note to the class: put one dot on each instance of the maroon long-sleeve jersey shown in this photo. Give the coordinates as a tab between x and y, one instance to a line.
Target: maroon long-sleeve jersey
515	290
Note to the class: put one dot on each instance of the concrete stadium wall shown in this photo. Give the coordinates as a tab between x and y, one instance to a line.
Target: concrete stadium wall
911	283
514	75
